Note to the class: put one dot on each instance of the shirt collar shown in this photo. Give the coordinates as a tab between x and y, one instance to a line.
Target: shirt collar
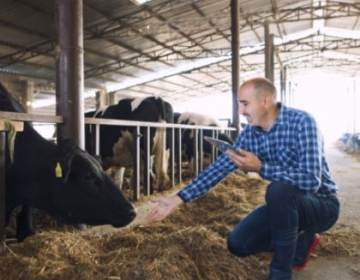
281	119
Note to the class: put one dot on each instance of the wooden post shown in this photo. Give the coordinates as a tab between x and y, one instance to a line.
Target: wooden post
69	54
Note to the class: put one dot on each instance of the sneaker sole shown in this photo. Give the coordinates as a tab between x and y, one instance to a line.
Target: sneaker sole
315	242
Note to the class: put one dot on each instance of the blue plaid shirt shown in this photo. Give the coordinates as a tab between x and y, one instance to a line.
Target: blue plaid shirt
292	151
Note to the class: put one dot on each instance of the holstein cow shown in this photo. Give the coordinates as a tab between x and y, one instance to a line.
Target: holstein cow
62	180
116	142
191	118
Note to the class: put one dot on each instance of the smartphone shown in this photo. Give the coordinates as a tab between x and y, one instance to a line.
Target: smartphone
221	145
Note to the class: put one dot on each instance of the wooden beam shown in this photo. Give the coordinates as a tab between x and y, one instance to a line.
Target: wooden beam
19	126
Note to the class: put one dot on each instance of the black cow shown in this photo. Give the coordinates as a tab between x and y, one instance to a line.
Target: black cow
191	118
116	142
62	180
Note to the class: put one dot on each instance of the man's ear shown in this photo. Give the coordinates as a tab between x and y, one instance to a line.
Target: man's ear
264	100
267	100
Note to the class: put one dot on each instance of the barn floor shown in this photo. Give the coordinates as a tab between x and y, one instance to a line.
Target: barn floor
346	171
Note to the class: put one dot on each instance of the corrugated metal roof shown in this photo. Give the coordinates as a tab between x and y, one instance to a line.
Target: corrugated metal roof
124	42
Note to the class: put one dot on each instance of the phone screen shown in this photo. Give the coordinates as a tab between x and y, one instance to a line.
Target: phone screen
223	147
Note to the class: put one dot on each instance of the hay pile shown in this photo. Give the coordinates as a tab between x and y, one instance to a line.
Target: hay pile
350	144
189	245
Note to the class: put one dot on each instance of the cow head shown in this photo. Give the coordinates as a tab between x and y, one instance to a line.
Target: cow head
83	193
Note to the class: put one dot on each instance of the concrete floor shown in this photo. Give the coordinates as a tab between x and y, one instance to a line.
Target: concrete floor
346	172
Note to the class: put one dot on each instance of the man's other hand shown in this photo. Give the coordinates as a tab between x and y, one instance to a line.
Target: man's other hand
246	161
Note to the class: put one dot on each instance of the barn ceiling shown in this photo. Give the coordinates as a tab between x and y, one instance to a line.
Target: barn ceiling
176	49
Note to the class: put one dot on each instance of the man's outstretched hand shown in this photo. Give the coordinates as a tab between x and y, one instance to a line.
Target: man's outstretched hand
166	205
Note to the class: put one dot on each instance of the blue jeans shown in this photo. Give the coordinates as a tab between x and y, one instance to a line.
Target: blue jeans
274	227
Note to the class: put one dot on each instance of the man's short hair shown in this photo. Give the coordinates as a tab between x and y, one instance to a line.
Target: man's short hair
262	85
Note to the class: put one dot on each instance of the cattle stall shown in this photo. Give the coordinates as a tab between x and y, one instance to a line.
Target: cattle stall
175	158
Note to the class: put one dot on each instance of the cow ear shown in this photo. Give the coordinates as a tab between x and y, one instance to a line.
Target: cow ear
60	167
67	150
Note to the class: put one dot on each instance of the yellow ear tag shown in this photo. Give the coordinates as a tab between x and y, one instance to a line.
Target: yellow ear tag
58	170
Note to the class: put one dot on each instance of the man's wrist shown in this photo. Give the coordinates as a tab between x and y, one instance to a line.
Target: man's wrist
181	197
178	200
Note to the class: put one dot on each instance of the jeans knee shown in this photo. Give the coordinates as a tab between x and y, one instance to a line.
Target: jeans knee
278	192
236	247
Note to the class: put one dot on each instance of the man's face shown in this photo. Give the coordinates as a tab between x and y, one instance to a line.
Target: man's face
251	105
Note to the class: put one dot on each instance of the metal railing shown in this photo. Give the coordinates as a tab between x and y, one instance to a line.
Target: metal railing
175	130
175	164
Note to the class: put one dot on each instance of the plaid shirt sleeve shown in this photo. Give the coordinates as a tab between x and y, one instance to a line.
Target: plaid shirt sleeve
307	174
207	179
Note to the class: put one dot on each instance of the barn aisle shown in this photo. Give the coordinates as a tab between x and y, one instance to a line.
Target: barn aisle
346	171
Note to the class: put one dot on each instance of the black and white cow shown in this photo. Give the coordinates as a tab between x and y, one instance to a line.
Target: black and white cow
191	118
62	180
116	142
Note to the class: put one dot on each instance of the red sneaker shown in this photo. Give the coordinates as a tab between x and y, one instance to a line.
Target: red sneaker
314	243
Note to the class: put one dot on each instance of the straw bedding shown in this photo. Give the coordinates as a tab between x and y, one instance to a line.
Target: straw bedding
189	245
